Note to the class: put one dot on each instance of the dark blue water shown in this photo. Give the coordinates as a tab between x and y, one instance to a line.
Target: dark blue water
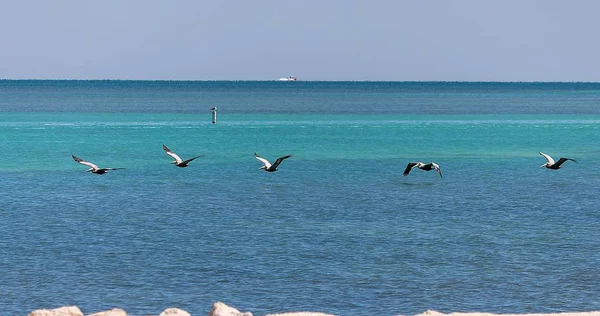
337	229
266	97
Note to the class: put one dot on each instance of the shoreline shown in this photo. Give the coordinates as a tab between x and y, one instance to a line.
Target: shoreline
222	309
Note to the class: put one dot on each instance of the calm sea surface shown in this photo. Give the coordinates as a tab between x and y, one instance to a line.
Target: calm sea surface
337	229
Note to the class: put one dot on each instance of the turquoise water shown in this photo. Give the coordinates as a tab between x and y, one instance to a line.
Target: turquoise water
337	229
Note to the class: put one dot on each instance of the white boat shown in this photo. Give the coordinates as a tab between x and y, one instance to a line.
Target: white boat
290	78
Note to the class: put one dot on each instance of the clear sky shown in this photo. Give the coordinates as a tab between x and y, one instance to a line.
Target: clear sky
421	40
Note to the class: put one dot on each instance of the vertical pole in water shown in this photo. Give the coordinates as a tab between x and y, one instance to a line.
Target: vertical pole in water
214	115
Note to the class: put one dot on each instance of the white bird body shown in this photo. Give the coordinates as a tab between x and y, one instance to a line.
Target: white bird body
551	164
178	161
267	166
422	166
93	168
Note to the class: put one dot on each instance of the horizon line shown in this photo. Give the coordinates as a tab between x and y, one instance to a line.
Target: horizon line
277	80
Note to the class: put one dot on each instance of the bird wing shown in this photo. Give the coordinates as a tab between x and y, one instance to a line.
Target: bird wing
280	159
85	163
263	160
562	160
172	154
548	158
437	168
188	160
409	167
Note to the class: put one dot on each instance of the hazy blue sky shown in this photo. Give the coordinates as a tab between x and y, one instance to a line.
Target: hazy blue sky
470	40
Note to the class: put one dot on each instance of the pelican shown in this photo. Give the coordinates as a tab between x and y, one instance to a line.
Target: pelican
178	161
422	166
93	167
550	164
268	166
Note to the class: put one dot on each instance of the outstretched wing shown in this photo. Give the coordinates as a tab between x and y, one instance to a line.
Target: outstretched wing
562	160
85	163
185	162
409	168
437	168
548	158
172	154
280	159
263	160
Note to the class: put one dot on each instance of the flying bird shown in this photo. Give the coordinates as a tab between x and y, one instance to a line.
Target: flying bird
93	167
178	161
422	166
550	164
268	166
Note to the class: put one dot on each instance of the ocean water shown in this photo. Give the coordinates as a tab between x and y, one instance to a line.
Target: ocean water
337	229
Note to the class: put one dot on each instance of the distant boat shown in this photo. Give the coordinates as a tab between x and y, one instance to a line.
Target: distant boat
290	78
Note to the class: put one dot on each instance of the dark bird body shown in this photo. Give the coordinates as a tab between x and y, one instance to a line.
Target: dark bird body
267	166
422	166
550	164
178	161
93	168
